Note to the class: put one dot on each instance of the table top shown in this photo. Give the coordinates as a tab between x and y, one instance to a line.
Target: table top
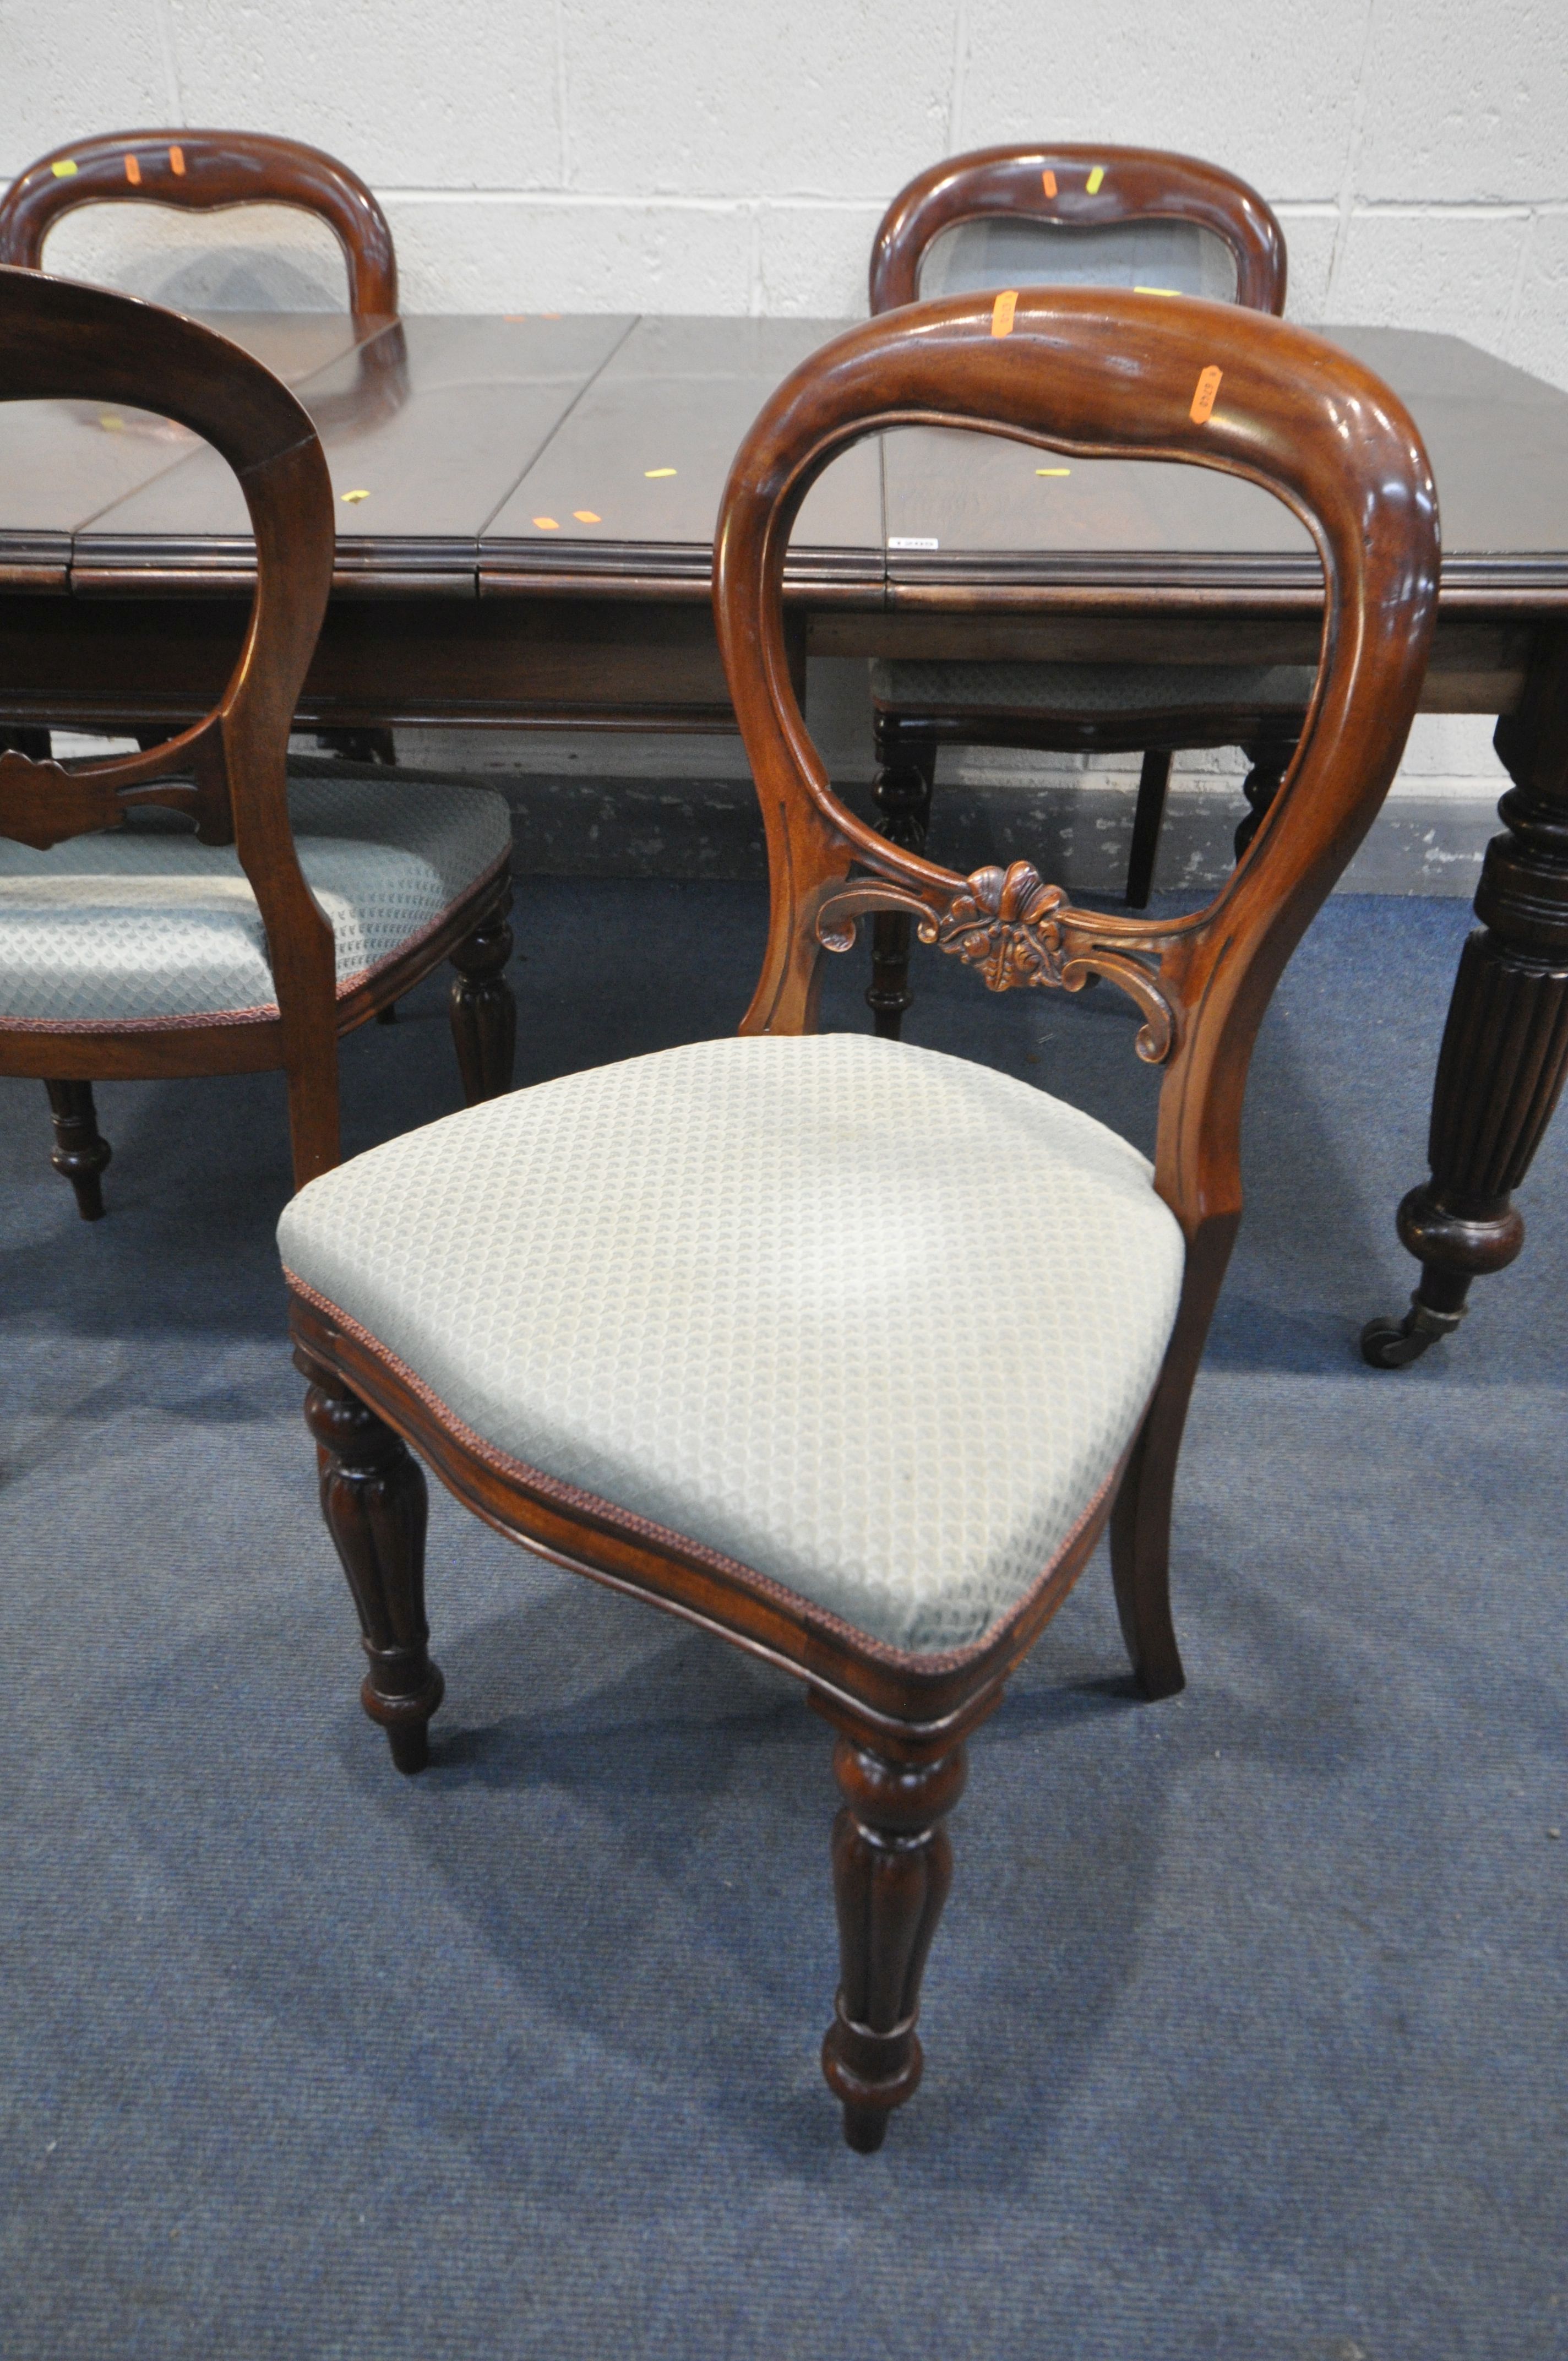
517	456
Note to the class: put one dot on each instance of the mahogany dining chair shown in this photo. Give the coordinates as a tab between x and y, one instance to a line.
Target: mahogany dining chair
196	908
635	1318
208	171
1003	218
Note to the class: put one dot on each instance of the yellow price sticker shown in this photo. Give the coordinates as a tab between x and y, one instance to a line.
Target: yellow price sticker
547	524
63	169
652	473
1094	182
587	516
1053	471
349	498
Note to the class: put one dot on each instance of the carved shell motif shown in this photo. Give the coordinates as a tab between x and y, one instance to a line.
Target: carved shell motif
1015	930
1004	926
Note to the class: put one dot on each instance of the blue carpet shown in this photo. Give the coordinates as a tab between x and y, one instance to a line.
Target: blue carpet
1245	2025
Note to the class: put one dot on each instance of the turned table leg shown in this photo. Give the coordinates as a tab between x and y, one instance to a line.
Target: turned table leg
891	1867
373	1499
1504	1048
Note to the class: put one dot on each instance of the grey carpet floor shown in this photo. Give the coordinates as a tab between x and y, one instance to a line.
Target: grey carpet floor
1244	2028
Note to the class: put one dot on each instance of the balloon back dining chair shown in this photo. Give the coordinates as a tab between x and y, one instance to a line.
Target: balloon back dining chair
191	910
636	1318
1037	215
212	171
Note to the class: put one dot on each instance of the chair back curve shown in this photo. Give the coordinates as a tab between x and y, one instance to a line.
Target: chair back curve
59	340
1079	188
201	172
1099	375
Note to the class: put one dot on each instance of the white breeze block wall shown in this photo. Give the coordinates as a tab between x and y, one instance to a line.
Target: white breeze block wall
681	155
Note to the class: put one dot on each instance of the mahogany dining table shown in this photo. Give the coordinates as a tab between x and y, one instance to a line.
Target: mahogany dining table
527	506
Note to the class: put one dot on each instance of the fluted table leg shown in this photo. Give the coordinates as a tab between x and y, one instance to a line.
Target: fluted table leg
1505	1050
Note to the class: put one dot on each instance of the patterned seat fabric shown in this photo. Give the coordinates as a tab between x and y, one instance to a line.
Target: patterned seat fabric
144	923
916	685
876	1322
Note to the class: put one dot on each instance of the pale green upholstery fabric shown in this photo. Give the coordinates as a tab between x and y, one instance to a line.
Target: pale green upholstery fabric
143	922
915	684
876	1322
1022	250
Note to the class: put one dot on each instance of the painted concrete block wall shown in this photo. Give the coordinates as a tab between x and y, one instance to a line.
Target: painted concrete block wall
684	155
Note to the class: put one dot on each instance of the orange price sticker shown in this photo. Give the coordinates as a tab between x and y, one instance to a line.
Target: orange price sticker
1048	182
1001	312
1208	386
587	516
177	160
63	169
1094	180
547	524
133	172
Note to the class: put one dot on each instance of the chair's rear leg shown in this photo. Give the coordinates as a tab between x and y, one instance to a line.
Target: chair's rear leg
1269	754
1153	781
903	794
892	1864
1140	1562
36	744
484	1012
81	1153
373	1499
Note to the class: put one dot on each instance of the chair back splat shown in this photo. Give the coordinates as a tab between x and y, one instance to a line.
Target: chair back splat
201	171
1083	189
1101	376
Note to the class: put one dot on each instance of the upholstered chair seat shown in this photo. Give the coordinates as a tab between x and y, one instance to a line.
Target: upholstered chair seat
668	1283
143	922
920	685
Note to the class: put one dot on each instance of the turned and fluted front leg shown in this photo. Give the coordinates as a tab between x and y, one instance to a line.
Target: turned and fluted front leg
484	1012
373	1499
903	795
891	1867
1504	1048
80	1153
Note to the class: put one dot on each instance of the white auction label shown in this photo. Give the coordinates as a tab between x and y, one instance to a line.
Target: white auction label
905	541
